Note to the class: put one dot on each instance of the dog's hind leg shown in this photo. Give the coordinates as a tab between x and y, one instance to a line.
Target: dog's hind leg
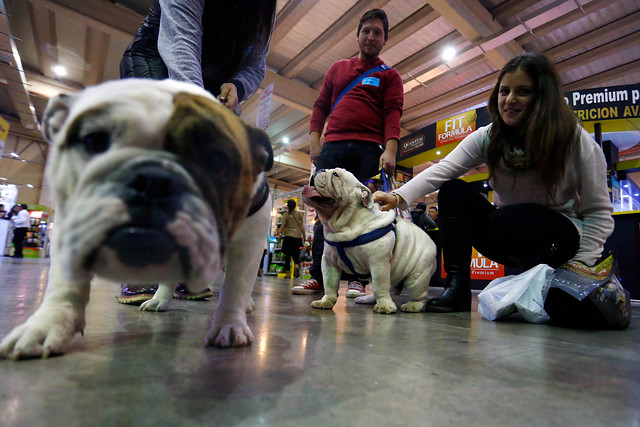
417	288
229	325
161	299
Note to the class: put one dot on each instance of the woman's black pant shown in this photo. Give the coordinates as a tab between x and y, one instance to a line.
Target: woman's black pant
522	235
18	241
291	247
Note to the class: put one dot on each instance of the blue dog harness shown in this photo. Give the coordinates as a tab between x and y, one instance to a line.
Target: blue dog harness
361	240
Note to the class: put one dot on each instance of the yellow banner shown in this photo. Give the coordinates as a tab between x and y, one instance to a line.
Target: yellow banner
455	128
4	129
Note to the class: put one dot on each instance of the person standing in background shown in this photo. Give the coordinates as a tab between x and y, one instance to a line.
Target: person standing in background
292	229
21	223
433	214
364	125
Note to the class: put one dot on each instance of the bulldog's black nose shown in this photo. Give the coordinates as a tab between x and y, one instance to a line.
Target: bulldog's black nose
153	195
313	177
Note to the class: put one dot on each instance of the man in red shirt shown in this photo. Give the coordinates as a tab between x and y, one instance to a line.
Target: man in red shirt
364	124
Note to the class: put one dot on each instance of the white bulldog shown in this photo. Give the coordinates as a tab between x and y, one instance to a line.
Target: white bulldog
153	183
404	257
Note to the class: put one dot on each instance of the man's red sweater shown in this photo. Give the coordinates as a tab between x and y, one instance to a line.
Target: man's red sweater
370	111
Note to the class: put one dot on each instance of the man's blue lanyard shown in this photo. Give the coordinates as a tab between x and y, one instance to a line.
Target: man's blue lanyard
357	80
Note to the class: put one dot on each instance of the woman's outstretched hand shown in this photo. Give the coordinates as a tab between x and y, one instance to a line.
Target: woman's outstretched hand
387	201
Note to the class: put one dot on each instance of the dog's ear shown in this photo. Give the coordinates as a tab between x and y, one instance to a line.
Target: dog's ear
261	149
55	115
367	196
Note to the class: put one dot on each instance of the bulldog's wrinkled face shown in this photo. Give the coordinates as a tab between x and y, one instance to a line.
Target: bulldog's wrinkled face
331	191
151	179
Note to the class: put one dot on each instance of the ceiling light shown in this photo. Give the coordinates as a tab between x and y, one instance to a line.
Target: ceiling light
23	160
438	153
285	140
448	53
2	178
29	185
59	70
14	154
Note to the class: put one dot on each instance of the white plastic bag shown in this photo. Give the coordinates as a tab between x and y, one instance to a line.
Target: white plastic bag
524	293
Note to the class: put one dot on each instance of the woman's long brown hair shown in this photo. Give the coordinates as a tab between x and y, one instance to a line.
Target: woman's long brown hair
547	134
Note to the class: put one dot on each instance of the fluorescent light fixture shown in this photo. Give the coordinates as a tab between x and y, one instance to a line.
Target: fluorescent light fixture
438	152
29	185
14	154
59	70
285	140
2	178
448	53
23	160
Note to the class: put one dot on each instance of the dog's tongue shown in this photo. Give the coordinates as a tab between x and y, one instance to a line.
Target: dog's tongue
309	192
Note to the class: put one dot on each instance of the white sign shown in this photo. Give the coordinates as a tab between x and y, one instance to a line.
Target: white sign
264	107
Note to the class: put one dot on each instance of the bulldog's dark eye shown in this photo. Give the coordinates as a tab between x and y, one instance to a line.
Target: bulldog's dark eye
336	175
97	142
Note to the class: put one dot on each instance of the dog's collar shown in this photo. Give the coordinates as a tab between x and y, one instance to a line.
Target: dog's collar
260	198
361	240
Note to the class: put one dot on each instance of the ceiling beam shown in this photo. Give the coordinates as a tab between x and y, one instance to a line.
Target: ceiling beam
289	16
511	8
600	52
564	20
474	22
104	16
95	54
291	92
605	77
605	33
44	35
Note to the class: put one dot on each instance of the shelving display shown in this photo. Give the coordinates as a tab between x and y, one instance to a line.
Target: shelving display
37	236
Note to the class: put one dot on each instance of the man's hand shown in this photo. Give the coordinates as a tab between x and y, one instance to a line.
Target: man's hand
314	146
228	95
388	158
387	201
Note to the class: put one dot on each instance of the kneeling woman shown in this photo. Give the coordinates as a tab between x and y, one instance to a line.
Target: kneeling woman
549	179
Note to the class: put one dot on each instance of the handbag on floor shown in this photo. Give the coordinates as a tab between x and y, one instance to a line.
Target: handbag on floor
588	297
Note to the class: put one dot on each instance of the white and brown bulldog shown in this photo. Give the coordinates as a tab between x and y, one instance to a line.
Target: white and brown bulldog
393	252
154	182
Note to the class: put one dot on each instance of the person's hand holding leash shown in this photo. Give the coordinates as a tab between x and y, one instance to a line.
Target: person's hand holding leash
228	95
387	201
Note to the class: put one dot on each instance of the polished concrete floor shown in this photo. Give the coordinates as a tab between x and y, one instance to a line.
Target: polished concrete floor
309	367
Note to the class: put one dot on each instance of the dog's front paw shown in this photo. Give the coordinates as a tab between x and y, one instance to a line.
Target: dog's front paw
155	305
385	306
326	302
251	305
413	306
367	299
231	334
41	336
